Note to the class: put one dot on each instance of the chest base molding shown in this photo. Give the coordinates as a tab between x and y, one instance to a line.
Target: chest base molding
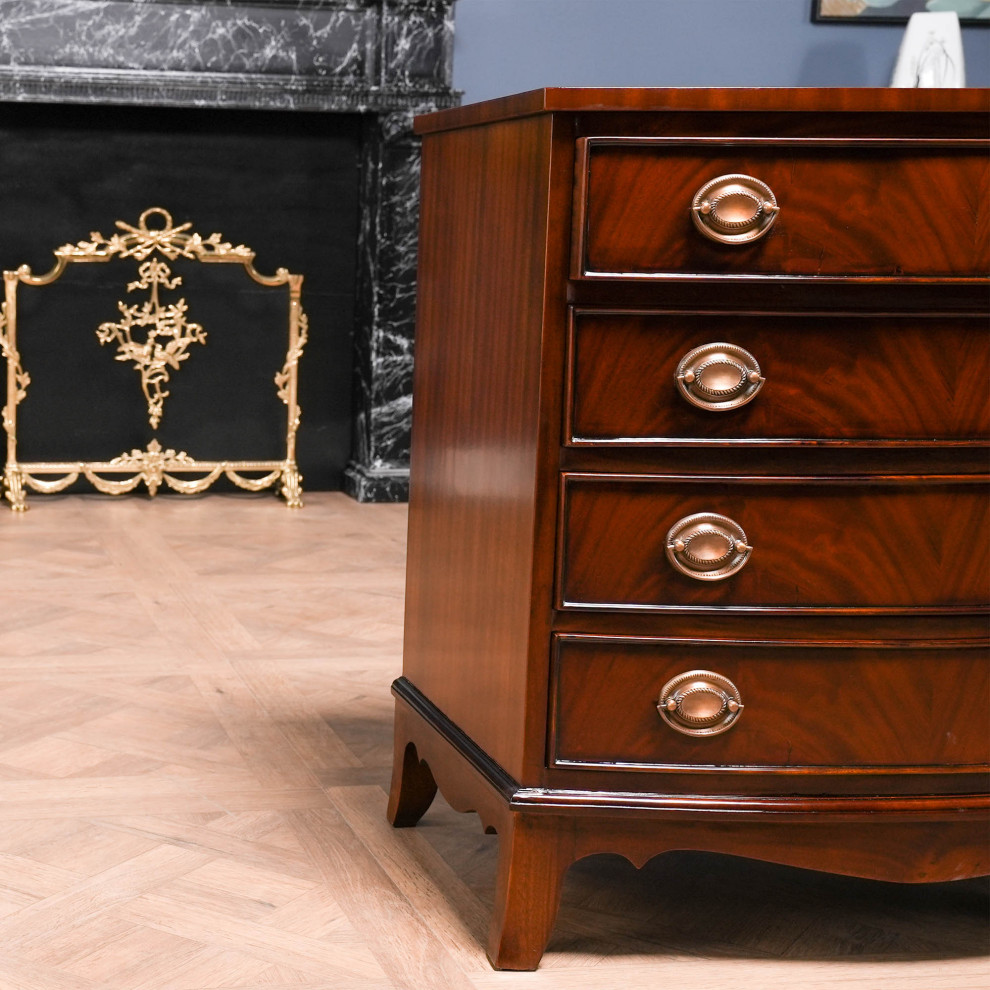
542	831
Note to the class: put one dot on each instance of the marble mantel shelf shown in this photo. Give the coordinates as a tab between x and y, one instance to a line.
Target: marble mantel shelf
390	54
60	84
385	59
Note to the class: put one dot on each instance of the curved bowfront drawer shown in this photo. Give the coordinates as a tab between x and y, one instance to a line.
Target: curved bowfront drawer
641	543
821	207
798	705
840	378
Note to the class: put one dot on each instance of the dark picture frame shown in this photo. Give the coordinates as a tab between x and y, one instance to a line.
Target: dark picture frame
898	12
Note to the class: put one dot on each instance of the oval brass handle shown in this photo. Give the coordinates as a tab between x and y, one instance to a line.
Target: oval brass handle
707	547
734	209
719	377
700	703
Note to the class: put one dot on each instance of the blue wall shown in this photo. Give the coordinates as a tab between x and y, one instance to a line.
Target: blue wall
507	46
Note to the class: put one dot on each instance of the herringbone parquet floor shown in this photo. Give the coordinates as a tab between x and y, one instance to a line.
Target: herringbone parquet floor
195	744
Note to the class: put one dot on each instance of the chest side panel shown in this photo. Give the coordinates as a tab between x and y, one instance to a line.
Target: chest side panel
476	425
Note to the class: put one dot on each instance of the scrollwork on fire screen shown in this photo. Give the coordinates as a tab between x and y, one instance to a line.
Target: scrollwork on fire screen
155	337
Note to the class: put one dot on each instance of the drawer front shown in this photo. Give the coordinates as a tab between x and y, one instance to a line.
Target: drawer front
840	378
802	706
885	208
882	544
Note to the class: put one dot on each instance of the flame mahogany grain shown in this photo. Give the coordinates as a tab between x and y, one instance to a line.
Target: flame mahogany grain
830	378
854	210
818	543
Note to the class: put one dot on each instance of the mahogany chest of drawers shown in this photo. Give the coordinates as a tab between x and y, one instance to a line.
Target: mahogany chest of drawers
698	539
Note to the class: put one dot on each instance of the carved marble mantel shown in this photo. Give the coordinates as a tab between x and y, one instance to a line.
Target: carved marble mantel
387	59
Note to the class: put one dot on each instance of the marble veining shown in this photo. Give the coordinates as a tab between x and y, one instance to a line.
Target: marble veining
387	243
397	46
388	59
187	38
418	45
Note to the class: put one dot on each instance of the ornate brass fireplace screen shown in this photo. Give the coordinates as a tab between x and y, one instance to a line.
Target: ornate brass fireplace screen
167	337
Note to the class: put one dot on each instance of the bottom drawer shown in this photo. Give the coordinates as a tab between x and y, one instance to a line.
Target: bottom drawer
802	706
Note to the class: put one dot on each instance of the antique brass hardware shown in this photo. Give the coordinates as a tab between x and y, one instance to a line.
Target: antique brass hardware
734	209
707	547
700	703
719	377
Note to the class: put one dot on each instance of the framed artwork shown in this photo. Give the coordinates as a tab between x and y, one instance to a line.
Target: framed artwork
971	12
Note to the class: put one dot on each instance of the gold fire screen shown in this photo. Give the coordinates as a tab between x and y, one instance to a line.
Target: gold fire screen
155	337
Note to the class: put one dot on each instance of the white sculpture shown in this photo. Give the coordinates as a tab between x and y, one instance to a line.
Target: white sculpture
931	54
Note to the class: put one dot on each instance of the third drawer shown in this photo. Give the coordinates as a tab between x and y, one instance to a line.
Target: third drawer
884	543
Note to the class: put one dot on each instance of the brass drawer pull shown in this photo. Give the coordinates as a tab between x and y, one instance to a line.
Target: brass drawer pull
719	377
734	209
707	547
700	703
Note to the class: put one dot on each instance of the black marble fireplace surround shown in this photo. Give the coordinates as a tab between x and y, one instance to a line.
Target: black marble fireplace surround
379	62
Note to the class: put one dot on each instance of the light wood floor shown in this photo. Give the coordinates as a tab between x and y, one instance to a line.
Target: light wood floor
195	733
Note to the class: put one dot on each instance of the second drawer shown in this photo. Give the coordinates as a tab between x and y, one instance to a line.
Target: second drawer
838	378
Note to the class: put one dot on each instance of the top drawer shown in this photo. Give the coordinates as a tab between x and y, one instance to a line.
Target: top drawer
890	208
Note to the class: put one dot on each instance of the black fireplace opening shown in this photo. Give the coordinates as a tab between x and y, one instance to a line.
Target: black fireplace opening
287	185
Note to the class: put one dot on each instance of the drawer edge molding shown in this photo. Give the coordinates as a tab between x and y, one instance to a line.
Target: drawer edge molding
912	643
758	278
566	605
622	442
776	770
782	142
907	481
810	808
